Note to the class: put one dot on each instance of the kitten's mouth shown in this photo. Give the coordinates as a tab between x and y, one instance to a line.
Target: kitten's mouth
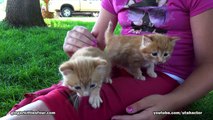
162	62
155	62
82	95
158	62
85	94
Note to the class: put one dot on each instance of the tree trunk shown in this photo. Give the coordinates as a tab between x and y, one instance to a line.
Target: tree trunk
24	13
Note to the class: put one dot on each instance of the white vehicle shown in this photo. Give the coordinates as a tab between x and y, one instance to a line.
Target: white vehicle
68	7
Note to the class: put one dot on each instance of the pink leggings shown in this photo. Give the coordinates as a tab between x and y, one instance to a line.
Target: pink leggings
124	91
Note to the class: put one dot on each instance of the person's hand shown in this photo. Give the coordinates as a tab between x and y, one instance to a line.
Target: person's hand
77	38
144	109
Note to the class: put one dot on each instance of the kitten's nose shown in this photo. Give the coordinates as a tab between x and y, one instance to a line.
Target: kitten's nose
160	60
85	93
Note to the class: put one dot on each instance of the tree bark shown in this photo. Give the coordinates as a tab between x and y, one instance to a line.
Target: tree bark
24	13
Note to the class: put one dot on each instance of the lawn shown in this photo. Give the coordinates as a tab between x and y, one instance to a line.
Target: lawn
29	60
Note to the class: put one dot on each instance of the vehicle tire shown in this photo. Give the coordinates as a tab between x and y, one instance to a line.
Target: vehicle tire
66	12
95	14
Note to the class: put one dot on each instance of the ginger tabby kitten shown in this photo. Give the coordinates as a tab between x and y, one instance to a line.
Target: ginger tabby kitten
134	52
85	72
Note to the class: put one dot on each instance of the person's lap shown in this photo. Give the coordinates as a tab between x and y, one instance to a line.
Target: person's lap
124	91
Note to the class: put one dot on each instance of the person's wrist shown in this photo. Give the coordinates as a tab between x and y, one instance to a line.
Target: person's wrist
174	101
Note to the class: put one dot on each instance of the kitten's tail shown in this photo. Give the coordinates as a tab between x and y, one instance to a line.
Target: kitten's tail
109	33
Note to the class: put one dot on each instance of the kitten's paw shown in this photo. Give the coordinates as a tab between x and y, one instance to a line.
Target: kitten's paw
108	80
141	77
95	101
152	74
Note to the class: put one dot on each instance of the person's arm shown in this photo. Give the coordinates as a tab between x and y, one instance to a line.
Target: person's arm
80	37
198	84
101	25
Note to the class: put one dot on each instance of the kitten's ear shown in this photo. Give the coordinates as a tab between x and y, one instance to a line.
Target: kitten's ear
100	65
146	40
66	68
173	39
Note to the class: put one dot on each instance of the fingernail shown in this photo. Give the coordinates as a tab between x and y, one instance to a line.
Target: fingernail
94	40
129	109
94	43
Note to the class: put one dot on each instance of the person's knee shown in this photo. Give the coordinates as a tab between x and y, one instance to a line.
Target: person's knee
38	105
34	108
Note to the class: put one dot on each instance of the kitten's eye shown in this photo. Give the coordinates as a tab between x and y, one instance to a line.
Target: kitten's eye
165	54
93	85
154	54
77	87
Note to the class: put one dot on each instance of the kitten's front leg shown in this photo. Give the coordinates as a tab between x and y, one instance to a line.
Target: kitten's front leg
150	71
107	75
137	73
108	80
95	99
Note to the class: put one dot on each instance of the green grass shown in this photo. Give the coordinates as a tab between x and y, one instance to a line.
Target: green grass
204	105
29	59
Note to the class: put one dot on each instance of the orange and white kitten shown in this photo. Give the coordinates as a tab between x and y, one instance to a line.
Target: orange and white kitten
85	72
134	52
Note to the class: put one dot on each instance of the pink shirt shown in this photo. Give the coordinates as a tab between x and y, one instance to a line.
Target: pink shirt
173	17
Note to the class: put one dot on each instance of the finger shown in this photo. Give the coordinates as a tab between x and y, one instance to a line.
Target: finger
70	48
124	117
144	115
84	31
76	42
138	116
79	36
140	105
